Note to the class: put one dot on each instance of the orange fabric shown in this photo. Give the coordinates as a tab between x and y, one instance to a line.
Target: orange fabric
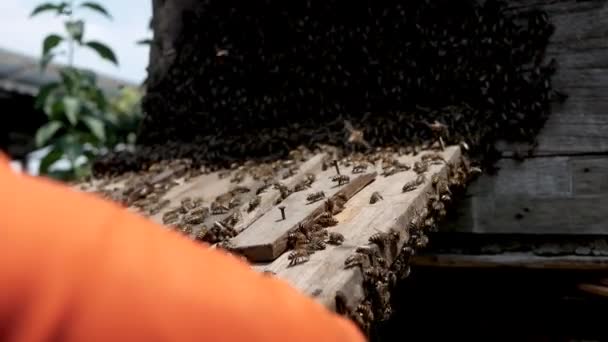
74	267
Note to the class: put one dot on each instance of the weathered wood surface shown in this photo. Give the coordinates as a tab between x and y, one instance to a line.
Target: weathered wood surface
544	195
580	47
266	238
512	260
324	274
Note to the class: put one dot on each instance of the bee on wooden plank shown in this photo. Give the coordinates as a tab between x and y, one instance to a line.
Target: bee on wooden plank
240	190
335	239
233	219
382	239
340	179
316	196
262	188
410	186
254	203
355	260
234	202
421	167
217	208
187	203
170	217
434	159
316	244
238	177
202	232
375	197
326	221
301	186
359	168
298	256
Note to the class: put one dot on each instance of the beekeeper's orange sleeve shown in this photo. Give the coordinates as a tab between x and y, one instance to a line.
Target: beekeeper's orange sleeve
74	267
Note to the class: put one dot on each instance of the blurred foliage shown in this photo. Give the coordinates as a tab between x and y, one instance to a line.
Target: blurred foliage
83	121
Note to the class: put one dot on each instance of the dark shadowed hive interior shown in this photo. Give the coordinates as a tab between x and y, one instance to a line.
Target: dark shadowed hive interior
254	79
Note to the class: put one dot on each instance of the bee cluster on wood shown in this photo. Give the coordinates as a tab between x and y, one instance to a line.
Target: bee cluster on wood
384	264
313	236
292	73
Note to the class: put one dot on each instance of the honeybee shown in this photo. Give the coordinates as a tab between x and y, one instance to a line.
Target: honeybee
341	179
262	188
254	203
234	202
170	217
355	136
335	239
375	197
298	256
314	197
316	244
195	217
356	259
238	177
410	186
434	159
187	203
359	168
324	221
383	239
421	179
200	235
303	185
240	190
233	219
217	208
421	167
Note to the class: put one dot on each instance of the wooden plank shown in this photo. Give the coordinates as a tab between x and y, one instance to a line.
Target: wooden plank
266	238
324	274
549	195
512	260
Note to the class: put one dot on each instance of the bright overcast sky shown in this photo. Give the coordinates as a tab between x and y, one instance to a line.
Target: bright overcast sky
130	22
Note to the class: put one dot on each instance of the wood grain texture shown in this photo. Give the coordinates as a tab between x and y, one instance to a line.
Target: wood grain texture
512	260
580	47
548	195
266	238
324	274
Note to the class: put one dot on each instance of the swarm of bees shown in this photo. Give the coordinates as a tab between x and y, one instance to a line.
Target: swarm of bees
373	94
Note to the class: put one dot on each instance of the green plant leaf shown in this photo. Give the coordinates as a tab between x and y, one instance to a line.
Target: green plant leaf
97	8
75	29
45	60
50	42
96	126
43	94
72	109
45	163
46	7
103	50
46	132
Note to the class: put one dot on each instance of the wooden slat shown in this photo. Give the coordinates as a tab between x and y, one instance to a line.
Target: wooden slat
266	238
513	260
549	195
324	274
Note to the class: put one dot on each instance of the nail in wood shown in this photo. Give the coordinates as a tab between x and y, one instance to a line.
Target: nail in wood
282	209
336	165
